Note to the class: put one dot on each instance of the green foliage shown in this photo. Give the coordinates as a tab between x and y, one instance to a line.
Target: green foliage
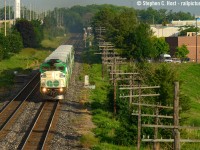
3	46
38	30
165	77
138	43
14	42
124	31
153	16
73	21
27	32
88	141
161	46
26	59
185	29
1	53
181	52
190	76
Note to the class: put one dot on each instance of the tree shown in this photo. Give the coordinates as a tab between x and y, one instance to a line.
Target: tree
122	25
183	31
15	43
26	30
140	44
160	45
38	30
182	51
4	50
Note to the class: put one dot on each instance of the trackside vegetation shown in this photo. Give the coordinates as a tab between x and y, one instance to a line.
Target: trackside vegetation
120	131
134	40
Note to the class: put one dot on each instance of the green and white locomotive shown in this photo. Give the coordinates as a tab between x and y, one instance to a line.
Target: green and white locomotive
56	70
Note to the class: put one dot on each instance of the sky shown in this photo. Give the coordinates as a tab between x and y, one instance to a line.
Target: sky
192	6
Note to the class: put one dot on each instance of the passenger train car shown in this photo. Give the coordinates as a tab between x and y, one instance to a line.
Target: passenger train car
56	70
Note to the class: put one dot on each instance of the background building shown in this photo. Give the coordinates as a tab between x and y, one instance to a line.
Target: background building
189	41
165	31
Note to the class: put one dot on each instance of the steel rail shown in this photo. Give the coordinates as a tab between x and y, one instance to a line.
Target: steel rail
19	92
13	114
47	134
37	136
12	108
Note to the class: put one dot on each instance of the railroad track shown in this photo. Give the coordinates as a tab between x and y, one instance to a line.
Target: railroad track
38	135
40	130
16	106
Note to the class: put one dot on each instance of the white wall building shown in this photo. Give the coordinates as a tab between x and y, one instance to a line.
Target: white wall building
164	31
185	23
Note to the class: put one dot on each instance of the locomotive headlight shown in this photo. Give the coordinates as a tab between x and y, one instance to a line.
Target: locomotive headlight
62	75
43	75
44	90
61	89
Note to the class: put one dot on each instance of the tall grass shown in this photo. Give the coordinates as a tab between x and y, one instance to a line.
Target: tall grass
22	62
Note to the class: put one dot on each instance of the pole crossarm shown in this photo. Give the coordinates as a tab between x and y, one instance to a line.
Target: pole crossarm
105	43
124	73
117	63
107	49
142	95
121	79
134	88
170	126
152	105
149	115
106	46
170	140
111	58
107	53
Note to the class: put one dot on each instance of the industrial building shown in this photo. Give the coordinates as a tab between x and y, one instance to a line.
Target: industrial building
189	41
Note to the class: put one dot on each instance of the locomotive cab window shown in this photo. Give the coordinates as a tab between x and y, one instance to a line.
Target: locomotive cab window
61	68
45	68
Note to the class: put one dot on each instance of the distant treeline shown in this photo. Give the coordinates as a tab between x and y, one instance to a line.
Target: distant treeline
120	21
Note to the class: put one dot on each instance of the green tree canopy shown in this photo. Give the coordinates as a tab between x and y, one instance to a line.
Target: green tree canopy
182	51
27	32
160	45
139	44
14	42
184	30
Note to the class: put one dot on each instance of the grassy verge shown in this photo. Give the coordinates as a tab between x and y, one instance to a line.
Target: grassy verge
190	76
53	43
23	62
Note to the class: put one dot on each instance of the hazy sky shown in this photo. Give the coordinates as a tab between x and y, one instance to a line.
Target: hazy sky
192	6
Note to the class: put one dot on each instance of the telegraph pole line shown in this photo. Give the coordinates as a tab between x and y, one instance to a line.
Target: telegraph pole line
176	117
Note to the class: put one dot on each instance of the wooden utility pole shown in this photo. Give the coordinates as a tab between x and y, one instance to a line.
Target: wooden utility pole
156	145
5	16
176	117
139	117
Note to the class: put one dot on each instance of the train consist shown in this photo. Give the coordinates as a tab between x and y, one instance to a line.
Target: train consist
55	72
